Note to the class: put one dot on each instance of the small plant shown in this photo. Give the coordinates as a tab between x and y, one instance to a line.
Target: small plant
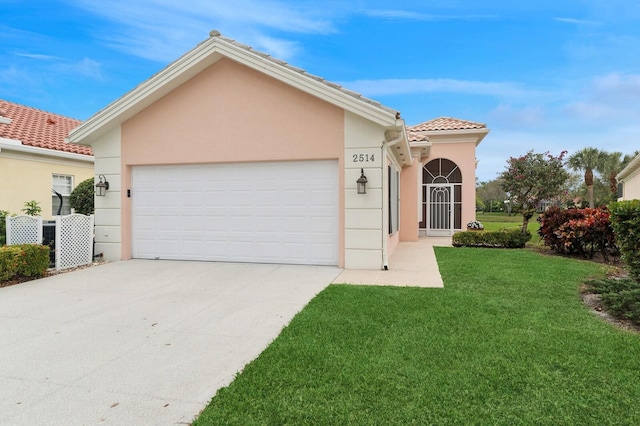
474	224
32	208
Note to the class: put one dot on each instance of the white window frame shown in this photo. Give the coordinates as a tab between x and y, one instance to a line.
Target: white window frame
64	189
68	186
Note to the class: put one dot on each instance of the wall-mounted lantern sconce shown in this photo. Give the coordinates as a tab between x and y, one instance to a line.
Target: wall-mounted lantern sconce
102	186
362	183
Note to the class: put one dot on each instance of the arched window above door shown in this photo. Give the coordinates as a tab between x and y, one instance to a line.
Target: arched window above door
441	170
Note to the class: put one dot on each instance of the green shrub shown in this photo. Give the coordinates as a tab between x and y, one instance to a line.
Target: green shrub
81	198
26	260
34	260
507	238
621	297
625	220
578	231
3	227
9	259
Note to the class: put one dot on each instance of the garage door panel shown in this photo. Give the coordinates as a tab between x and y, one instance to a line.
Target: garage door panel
284	212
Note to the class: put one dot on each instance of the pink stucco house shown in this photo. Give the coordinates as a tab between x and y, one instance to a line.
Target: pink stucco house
229	154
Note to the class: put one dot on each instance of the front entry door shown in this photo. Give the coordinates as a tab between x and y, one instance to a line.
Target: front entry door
439	210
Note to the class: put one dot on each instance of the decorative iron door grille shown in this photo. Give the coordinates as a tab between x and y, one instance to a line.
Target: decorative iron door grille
440	204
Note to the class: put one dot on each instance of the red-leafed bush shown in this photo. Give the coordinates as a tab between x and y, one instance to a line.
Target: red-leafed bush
583	232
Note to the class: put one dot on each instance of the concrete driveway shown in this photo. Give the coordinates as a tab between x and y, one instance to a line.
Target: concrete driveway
140	342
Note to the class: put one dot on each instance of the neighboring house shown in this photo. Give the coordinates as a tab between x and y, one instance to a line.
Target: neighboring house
629	181
231	155
34	159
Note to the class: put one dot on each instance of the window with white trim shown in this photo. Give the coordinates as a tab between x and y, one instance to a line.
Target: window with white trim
63	184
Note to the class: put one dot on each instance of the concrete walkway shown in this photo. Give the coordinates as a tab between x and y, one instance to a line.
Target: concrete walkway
140	342
411	264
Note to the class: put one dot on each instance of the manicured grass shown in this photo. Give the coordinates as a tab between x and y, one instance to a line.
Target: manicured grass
499	221
507	341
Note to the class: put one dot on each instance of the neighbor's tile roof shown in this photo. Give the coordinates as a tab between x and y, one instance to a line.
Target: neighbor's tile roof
37	128
446	123
416	137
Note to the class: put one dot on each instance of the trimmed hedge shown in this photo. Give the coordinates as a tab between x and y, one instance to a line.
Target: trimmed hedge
512	238
625	220
26	260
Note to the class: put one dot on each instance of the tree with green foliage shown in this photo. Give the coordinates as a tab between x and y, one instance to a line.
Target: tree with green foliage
491	193
531	179
81	198
587	159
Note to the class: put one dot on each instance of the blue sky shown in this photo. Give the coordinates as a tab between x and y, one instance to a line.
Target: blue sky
545	75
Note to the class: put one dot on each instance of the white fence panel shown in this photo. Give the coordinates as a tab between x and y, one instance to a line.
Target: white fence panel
24	230
74	241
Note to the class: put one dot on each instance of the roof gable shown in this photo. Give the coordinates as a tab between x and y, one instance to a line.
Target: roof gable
207	53
38	129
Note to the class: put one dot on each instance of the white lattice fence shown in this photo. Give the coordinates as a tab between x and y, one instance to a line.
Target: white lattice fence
74	241
24	230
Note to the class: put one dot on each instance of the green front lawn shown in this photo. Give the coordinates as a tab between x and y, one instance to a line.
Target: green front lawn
507	341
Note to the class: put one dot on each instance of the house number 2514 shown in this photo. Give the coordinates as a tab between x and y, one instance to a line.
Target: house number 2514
363	158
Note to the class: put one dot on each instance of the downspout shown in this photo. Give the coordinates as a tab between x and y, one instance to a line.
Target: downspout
385	178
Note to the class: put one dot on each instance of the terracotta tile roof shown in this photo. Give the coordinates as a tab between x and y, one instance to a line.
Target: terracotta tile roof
446	123
416	137
37	128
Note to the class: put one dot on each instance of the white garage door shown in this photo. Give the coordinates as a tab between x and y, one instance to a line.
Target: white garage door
273	212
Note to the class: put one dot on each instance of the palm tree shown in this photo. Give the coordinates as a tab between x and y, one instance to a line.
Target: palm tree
587	159
610	165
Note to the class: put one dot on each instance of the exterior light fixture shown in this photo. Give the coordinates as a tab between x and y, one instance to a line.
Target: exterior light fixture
362	183
102	186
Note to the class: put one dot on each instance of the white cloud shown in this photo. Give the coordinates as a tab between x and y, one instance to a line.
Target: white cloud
610	96
38	56
162	29
417	16
88	67
576	21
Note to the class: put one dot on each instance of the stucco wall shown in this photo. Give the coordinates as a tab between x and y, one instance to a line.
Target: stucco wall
108	217
463	154
231	113
631	186
364	216
29	177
